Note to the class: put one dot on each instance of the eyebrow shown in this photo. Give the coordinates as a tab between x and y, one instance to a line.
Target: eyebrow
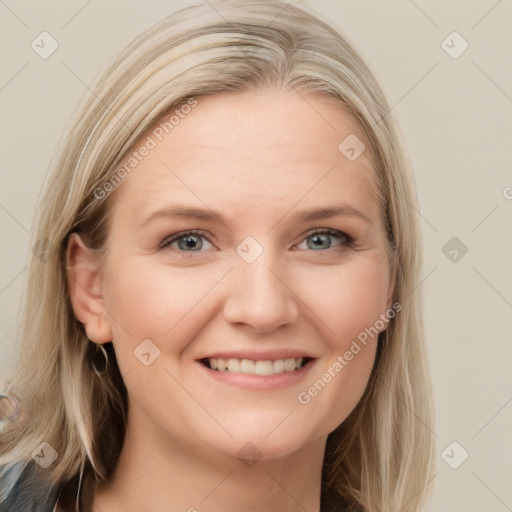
328	212
187	212
181	211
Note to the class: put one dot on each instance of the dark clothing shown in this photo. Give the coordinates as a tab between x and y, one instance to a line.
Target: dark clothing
25	488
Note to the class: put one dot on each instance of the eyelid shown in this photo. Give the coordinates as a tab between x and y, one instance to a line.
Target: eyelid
342	236
167	241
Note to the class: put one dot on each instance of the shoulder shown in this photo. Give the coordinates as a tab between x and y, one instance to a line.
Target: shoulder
23	486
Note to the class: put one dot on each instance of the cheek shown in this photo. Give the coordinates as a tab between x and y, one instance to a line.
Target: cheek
350	304
348	298
151	300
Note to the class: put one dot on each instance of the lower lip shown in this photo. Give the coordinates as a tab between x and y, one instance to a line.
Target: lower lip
259	382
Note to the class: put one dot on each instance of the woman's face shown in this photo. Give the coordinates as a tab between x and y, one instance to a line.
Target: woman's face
286	266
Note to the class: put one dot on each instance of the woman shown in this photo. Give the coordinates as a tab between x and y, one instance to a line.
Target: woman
223	312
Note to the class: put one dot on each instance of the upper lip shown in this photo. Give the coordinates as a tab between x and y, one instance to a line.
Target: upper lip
263	355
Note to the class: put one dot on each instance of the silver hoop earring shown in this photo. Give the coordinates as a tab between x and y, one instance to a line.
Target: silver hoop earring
102	360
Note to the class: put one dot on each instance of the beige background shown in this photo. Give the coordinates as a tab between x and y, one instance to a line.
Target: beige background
455	115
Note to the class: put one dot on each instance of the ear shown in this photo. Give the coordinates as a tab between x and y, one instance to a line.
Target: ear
85	284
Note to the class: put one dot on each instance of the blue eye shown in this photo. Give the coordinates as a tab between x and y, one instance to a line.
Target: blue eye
188	241
195	241
324	239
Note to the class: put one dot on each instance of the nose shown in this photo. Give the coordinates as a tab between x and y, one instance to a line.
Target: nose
260	297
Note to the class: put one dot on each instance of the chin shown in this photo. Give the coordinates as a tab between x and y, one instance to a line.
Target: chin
267	439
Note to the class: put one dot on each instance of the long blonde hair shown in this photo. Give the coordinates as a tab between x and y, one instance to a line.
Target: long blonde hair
381	457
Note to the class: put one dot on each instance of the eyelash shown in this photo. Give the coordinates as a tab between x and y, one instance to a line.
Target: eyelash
164	244
344	239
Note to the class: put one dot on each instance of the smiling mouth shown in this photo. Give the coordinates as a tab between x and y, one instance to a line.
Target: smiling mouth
250	367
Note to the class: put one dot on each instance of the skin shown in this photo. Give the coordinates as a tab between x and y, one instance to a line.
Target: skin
257	158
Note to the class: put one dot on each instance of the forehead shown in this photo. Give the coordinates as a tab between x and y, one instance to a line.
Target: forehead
260	149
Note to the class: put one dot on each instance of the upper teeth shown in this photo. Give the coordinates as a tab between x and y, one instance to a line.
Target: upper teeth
251	367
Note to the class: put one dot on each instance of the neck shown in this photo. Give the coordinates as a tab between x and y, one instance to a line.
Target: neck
150	477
